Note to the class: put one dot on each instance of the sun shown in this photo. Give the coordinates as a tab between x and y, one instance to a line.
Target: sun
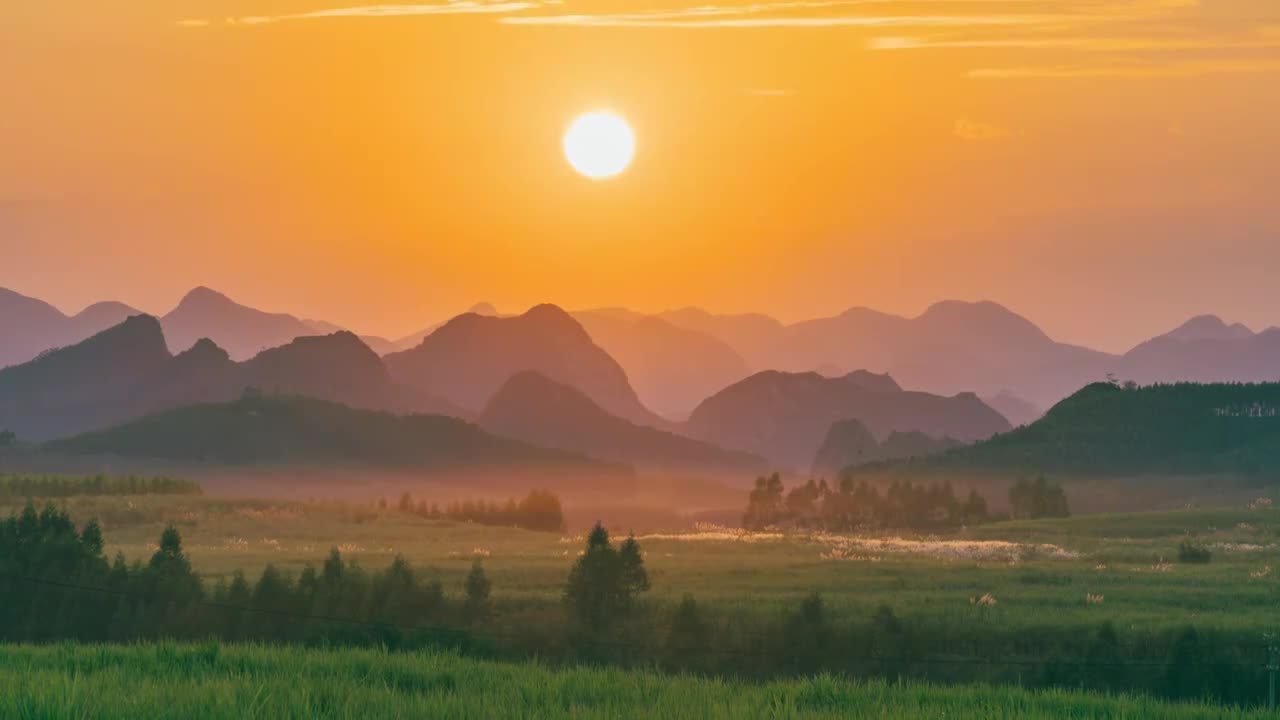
599	144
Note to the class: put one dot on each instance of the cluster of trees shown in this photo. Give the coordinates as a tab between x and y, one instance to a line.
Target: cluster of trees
55	583
539	510
47	486
1032	499
859	505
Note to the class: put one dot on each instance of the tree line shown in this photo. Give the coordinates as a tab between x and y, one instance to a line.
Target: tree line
48	486
904	505
539	510
80	595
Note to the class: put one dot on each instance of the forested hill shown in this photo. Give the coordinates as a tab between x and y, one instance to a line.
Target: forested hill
271	429
1105	429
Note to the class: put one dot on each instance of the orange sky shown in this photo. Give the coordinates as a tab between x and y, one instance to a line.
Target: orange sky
1105	167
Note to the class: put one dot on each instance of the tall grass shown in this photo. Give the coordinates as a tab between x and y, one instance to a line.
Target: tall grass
209	680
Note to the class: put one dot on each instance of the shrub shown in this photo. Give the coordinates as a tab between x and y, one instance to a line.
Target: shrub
1190	552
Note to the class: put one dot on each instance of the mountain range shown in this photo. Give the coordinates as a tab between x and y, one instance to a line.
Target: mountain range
674	360
786	416
532	407
127	371
277	430
1107	430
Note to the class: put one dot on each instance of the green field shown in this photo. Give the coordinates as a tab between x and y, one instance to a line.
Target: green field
1094	603
1036	570
219	681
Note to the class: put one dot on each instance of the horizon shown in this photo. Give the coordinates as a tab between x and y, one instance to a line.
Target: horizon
1102	167
425	323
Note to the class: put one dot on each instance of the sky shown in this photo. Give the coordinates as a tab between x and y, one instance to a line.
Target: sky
1106	168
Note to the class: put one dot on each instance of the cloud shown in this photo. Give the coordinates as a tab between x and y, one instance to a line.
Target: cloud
768	92
1165	69
703	21
457	7
975	131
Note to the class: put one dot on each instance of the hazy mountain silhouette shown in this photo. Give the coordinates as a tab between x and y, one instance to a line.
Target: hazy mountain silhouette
379	345
1206	349
86	385
1106	431
1014	409
785	416
672	368
952	347
29	326
415	339
127	371
471	356
751	334
532	407
297	430
849	442
239	329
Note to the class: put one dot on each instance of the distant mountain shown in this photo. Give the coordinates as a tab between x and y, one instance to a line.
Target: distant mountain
86	385
532	407
239	329
1106	431
753	335
849	443
1014	409
295	430
415	339
785	416
471	356
127	371
1206	349
29	327
952	347
672	368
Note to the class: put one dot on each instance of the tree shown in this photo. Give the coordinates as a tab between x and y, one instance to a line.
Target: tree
7	438
604	582
169	577
476	605
689	632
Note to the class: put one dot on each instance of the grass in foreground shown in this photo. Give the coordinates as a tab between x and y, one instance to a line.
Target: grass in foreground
236	681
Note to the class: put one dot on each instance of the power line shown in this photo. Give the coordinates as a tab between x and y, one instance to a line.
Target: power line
469	635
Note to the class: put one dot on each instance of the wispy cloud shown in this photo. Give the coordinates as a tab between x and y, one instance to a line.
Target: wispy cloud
768	92
1168	69
735	20
458	7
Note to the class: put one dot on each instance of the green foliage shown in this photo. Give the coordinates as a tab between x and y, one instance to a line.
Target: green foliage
221	682
1032	500
1190	552
853	506
539	510
1106	430
604	583
476	606
50	486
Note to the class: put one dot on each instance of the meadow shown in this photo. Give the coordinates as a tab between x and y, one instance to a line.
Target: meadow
210	680
1096	602
1034	569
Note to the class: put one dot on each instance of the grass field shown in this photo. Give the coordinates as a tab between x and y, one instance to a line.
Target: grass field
1038	571
229	681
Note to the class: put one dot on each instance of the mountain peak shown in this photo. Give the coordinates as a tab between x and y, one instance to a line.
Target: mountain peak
201	295
483	308
1208	327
